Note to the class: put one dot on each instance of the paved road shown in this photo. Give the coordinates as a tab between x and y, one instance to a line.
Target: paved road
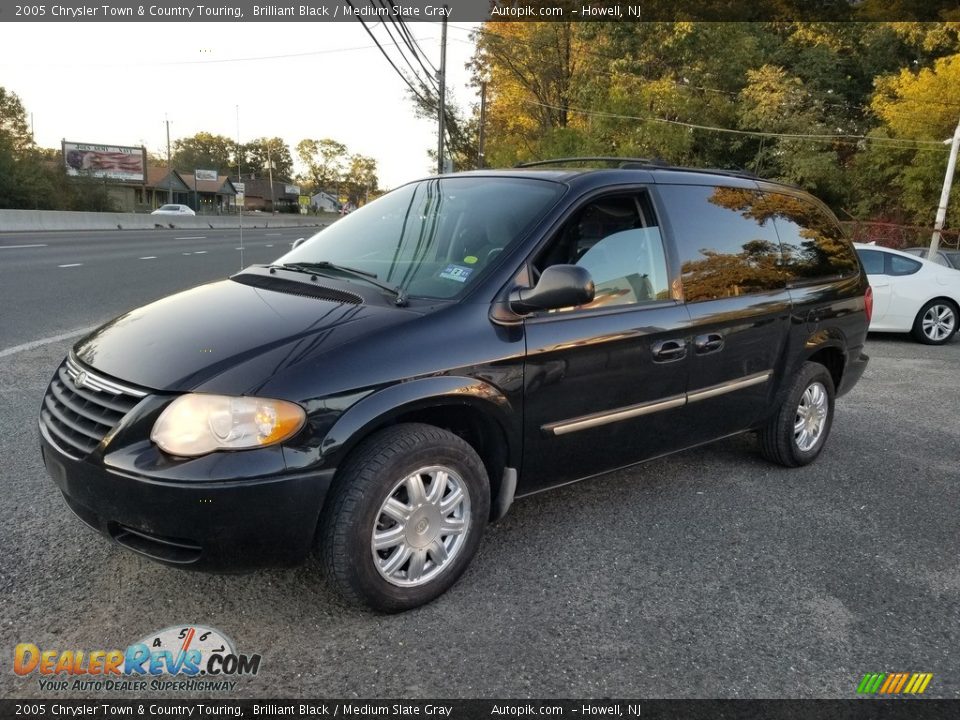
707	574
59	282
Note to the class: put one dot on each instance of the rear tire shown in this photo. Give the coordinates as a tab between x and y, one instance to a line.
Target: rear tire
936	323
796	434
404	518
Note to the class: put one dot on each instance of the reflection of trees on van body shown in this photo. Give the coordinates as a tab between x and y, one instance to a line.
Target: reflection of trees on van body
720	275
811	240
811	246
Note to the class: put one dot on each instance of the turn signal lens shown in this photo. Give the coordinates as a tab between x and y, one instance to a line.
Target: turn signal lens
198	424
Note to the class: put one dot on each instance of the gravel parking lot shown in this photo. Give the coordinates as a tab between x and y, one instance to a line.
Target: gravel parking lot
707	574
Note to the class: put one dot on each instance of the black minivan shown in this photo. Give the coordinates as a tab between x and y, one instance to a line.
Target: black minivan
391	385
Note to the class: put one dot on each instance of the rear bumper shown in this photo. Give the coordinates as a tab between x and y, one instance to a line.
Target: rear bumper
226	526
853	371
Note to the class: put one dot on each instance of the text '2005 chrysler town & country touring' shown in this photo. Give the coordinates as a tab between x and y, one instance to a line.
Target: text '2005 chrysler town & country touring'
388	387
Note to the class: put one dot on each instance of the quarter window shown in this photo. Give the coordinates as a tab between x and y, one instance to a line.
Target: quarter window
814	246
872	261
899	265
728	245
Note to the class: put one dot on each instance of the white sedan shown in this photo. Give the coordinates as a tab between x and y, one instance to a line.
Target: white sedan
173	210
911	294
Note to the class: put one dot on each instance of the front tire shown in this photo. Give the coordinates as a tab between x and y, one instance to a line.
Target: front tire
404	518
796	434
936	323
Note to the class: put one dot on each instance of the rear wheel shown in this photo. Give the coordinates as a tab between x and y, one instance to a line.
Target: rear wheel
405	517
796	434
936	323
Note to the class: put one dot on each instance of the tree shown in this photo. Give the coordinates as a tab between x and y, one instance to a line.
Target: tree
205	151
261	152
325	162
918	105
360	179
24	180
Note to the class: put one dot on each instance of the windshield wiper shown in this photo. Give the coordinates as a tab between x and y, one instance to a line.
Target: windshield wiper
310	267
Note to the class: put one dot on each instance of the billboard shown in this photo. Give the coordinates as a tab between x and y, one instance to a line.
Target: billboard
116	162
205	174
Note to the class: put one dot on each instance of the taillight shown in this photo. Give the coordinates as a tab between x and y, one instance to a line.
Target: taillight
868	303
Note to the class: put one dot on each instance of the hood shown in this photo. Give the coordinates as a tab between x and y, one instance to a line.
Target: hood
228	330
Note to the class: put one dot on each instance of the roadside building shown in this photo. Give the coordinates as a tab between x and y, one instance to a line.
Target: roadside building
259	196
210	197
324	202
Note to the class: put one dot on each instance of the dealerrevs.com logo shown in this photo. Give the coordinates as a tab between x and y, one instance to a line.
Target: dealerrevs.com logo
185	658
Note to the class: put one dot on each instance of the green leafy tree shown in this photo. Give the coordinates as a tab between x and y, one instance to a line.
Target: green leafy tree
25	181
205	151
325	161
261	152
360	180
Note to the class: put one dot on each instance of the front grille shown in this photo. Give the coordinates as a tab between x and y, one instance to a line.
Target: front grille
81	407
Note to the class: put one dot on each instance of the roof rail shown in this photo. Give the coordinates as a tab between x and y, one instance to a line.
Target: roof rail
736	172
622	162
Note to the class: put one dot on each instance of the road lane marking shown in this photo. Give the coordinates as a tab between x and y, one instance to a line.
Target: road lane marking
273	235
200	252
71	265
14	247
197	237
149	257
47	340
269	245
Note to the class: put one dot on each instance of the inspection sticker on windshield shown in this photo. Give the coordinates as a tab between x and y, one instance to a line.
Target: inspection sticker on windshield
456	272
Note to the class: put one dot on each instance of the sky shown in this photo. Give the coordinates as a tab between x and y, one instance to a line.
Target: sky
115	83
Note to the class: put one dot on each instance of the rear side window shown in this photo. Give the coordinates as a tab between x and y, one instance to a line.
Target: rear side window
814	246
872	261
899	265
877	262
728	246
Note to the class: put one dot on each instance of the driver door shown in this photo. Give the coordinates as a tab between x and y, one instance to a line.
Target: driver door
605	382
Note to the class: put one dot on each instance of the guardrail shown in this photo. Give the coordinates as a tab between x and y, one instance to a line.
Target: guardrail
36	220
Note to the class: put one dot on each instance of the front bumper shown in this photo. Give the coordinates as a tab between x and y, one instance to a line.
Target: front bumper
225	525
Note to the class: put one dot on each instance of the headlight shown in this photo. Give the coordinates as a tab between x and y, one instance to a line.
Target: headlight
198	424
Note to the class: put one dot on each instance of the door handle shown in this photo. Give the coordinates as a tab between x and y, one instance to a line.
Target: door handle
669	350
708	343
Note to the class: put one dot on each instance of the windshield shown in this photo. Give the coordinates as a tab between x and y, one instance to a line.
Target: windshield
432	238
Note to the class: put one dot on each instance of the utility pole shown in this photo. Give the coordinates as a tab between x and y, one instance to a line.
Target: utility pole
945	193
483	121
239	179
273	204
169	166
442	83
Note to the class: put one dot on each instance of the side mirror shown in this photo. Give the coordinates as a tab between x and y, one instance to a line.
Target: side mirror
559	286
298	242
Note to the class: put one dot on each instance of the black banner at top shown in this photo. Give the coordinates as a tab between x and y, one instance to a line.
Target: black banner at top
482	10
617	709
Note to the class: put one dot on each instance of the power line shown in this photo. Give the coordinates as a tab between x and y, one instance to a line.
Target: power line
388	59
888	142
410	41
397	43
